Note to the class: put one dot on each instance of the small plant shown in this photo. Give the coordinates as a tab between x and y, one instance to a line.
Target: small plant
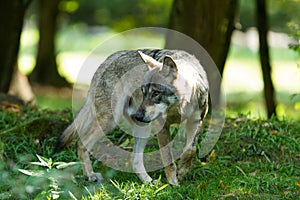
49	172
137	191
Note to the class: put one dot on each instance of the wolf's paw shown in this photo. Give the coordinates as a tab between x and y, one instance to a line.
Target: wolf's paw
95	177
155	182
174	181
182	172
171	174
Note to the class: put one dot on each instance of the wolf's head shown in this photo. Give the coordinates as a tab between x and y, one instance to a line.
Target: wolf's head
158	90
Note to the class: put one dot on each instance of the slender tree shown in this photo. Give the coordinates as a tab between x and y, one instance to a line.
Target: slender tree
263	27
11	21
45	71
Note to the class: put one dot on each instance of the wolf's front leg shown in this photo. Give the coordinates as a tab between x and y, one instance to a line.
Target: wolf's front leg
192	131
137	159
167	157
87	164
189	151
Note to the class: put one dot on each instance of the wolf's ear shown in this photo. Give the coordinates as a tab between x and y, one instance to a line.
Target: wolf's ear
169	66
151	62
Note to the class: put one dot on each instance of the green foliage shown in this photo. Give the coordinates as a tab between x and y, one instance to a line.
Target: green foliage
25	132
295	29
279	11
137	191
52	190
121	15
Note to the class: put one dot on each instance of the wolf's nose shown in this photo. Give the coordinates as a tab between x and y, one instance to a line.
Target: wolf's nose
139	116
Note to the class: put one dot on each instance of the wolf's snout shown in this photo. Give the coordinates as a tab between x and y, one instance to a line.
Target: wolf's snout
139	116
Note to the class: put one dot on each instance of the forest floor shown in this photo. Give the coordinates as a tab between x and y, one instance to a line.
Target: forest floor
253	158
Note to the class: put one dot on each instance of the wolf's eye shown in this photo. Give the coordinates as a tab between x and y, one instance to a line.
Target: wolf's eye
155	94
156	97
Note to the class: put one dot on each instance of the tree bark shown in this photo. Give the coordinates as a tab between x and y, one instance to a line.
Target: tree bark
263	27
45	71
20	87
210	23
11	22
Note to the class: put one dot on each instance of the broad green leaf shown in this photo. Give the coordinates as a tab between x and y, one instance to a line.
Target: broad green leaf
44	161
31	172
65	165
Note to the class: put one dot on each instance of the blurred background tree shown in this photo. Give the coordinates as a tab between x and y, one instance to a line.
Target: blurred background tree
263	28
59	34
45	71
118	14
279	13
11	20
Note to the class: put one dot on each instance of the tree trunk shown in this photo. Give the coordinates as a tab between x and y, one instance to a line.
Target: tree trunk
262	25
45	71
11	22
210	23
20	87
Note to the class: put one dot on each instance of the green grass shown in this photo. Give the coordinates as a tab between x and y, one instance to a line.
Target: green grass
256	159
253	104
53	102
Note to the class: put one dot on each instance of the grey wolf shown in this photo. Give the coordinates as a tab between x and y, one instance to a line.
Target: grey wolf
173	89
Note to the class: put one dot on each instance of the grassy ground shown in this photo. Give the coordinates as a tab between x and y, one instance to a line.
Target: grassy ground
256	159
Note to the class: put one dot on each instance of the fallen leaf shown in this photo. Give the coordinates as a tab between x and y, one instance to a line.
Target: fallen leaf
267	124
201	186
10	107
273	132
223	185
297	184
253	173
212	155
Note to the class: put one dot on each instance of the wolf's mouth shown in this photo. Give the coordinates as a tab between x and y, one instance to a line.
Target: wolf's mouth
143	121
139	121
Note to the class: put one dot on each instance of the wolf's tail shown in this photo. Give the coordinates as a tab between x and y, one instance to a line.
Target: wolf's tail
66	138
82	123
